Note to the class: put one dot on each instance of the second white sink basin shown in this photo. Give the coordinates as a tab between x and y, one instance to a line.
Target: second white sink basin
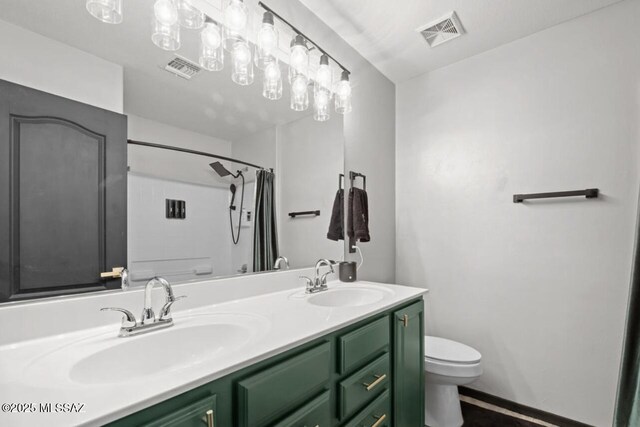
349	296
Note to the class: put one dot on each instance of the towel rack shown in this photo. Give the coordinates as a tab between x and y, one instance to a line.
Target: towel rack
353	175
340	181
301	213
589	193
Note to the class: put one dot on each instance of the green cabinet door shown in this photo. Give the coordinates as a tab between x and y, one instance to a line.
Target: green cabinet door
198	414
408	365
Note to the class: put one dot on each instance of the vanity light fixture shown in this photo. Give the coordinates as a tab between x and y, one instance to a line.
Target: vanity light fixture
107	11
236	23
324	75
322	90
211	51
267	42
165	26
272	81
343	94
242	66
189	16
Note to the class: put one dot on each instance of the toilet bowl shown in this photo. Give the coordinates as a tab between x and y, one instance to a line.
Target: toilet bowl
447	365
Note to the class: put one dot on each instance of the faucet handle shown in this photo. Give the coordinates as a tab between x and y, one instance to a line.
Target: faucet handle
308	280
128	320
165	311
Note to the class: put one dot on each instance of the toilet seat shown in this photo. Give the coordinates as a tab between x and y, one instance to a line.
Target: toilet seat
450	358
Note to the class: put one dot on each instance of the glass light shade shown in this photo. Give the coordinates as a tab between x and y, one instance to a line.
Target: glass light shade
107	11
298	58
166	37
321	104
165	12
211	52
189	16
324	75
236	23
242	71
272	81
267	42
343	94
299	93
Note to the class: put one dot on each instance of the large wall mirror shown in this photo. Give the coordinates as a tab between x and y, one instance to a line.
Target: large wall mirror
221	180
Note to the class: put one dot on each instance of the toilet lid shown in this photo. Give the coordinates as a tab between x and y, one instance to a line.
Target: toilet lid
446	350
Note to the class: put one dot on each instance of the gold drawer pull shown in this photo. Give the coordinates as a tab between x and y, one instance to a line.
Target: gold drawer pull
379	379
405	320
115	273
381	419
210	418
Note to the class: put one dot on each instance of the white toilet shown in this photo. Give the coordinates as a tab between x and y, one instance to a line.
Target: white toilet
447	365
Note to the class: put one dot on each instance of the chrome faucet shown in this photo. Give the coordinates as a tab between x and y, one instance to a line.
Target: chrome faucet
130	326
320	282
280	260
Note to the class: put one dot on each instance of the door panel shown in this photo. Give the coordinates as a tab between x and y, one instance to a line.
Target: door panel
63	170
408	362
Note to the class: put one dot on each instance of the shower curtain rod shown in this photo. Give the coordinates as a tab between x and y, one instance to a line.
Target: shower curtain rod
199	153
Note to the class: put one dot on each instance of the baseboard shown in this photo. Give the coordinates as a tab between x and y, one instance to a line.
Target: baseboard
521	409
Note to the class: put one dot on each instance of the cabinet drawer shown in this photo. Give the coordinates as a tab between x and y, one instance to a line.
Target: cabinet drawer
316	413
362	344
201	413
272	392
377	414
361	387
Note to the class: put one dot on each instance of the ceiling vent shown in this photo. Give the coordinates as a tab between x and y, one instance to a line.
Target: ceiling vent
443	30
182	67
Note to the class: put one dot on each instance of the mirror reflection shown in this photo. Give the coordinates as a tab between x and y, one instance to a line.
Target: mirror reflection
231	167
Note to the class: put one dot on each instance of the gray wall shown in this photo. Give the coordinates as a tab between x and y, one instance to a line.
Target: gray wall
539	288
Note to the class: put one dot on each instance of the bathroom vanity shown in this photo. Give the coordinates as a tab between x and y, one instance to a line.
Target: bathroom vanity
348	356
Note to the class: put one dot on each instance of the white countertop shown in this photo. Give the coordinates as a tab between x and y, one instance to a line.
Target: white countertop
38	371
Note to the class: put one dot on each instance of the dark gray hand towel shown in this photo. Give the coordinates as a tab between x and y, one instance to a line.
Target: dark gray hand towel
336	224
358	215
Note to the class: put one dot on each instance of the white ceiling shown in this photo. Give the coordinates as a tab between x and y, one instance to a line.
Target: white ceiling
209	103
384	31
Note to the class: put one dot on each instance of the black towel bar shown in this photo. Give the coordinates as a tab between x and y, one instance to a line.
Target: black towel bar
295	214
589	193
353	175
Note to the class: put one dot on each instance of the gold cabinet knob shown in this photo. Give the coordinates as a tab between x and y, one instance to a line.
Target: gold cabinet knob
209	415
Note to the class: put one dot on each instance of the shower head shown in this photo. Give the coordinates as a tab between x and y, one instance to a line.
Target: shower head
220	169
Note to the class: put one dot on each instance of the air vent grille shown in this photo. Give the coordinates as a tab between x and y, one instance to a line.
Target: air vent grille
182	67
443	30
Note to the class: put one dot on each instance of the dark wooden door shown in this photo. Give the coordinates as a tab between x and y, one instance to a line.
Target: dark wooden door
63	194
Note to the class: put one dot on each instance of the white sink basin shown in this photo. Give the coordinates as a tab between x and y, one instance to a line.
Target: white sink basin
349	296
108	359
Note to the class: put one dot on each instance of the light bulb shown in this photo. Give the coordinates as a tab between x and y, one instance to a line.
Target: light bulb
235	15
267	42
298	57
166	12
189	16
324	75
107	11
242	54
299	93
211	36
211	53
242	66
165	36
343	94
321	103
272	81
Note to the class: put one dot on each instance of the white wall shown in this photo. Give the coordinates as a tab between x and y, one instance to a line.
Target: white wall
35	61
539	288
309	163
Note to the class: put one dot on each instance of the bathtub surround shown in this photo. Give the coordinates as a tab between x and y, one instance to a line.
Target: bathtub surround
538	288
